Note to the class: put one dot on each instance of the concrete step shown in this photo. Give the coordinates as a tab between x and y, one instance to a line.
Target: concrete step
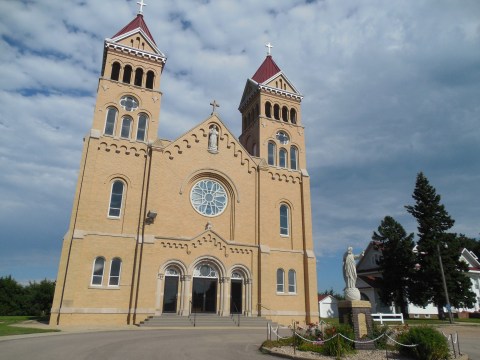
204	320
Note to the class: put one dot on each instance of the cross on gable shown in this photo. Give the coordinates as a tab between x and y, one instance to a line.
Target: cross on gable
142	4
214	105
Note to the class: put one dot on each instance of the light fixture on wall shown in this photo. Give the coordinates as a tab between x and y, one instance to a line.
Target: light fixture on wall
151	215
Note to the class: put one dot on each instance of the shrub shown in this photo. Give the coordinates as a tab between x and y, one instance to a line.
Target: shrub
338	347
378	330
431	345
277	343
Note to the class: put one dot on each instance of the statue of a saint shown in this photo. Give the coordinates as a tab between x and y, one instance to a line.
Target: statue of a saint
349	268
212	139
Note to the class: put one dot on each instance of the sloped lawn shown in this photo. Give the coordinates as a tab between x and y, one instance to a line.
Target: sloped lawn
6	327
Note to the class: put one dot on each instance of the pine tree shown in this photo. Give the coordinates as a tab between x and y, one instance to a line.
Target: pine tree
397	263
433	223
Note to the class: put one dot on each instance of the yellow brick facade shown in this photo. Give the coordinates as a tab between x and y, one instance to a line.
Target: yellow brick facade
242	246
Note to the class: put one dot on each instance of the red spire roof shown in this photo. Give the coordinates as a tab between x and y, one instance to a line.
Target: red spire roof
266	70
136	23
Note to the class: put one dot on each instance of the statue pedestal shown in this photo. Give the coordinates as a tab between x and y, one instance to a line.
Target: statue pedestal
357	313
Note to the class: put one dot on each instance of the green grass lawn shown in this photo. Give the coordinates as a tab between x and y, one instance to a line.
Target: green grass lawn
7	329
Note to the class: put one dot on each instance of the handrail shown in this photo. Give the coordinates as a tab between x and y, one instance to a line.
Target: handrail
238	313
194	314
259	305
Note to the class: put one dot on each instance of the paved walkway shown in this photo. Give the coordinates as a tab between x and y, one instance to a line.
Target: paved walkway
189	344
75	343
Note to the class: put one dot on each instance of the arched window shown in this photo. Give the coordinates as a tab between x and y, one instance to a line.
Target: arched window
115	268
276	111
284	225
280	281
110	121
116	199
142	127
293	116
126	127
282	158
272	149
97	273
127	74
138	76
293	158
292	281
254	149
268	109
115	71
285	114
150	78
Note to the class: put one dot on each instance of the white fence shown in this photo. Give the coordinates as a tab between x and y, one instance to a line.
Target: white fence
387	317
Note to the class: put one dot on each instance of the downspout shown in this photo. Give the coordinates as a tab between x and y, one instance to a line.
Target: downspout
73	230
143	233
139	230
259	270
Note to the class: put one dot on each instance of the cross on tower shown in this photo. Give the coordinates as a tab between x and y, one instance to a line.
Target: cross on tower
142	4
269	51
214	105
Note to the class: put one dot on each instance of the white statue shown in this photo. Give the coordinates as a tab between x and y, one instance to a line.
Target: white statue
350	274
212	139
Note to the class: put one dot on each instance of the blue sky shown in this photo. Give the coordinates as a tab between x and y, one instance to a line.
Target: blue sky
391	88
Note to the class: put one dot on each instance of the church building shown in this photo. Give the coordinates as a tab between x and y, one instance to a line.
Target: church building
205	223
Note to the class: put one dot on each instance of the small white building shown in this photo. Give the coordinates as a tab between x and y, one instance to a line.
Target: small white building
327	306
369	275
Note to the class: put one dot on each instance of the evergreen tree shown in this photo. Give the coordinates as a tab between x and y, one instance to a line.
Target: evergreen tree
433	223
397	263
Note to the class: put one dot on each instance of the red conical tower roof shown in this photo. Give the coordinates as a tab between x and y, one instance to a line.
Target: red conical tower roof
266	70
136	23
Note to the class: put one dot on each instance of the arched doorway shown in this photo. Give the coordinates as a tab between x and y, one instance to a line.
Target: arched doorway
170	293
236	293
204	289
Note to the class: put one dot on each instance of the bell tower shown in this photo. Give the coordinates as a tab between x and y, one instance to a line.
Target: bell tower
271	117
128	95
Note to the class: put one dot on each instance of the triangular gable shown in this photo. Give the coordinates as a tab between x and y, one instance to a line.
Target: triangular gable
271	83
208	237
470	258
251	88
365	263
185	141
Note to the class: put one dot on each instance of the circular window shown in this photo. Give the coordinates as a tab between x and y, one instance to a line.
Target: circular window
208	197
129	103
282	138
